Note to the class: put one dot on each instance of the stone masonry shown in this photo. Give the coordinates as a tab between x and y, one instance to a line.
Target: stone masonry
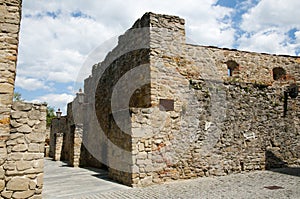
158	109
66	137
10	15
22	125
25	151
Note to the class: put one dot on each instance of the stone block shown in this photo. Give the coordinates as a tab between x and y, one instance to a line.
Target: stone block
17	114
141	155
34	171
16	135
18	184
2	173
36	196
31	123
23	194
38	163
15	124
9	165
36	137
21	106
19	148
11	142
34	115
33	156
2	185
6	88
32	185
24	129
141	147
40	180
5	98
34	147
6	194
23	165
2	159
42	148
146	181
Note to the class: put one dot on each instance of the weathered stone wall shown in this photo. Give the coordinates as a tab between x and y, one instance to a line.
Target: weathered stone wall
251	135
106	141
23	169
58	131
66	136
158	109
226	127
10	16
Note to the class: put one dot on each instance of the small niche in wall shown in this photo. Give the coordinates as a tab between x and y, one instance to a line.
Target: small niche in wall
166	104
278	73
231	66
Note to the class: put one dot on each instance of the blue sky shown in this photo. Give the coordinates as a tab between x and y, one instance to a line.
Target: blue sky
57	37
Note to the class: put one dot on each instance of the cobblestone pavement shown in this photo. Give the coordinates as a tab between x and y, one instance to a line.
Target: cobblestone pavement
279	183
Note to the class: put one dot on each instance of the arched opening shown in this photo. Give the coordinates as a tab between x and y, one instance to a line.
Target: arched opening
278	73
231	66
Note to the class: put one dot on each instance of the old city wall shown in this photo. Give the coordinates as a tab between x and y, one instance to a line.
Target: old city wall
203	122
103	138
158	109
66	136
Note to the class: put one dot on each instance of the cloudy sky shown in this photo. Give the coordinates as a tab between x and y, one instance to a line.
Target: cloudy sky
57	36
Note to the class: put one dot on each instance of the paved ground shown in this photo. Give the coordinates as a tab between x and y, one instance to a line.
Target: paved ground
62	181
66	182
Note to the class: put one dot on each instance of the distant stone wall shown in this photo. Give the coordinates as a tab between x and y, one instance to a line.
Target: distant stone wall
57	136
25	151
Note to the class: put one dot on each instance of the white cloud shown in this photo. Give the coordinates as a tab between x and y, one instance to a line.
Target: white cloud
55	43
297	36
30	84
267	25
55	100
269	13
272	41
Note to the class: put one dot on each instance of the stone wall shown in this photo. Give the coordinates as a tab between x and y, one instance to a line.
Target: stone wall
66	137
158	109
10	16
230	126
25	151
251	135
57	136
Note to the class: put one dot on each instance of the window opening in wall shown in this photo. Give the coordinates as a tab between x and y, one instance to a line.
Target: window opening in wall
166	105
231	66
278	73
229	72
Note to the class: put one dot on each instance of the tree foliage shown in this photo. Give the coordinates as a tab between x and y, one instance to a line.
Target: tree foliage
17	97
50	115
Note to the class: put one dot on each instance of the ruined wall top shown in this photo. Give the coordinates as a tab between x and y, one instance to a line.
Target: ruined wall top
150	19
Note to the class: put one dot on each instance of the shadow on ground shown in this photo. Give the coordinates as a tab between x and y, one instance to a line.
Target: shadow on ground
294	171
277	164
